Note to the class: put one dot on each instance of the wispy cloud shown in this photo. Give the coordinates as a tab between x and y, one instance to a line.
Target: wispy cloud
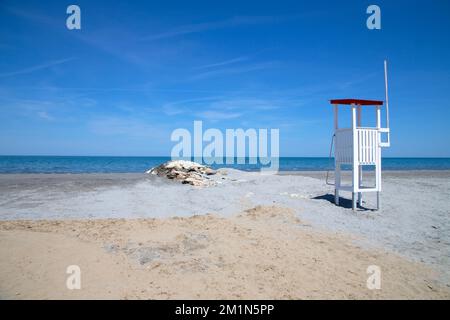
247	104
61	107
234	70
128	127
205	26
183	106
44	115
223	108
222	63
35	68
357	81
116	42
218	115
32	15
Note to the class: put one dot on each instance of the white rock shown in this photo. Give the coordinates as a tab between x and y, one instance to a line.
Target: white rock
185	171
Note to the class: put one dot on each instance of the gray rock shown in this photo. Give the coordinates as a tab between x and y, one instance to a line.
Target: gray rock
187	172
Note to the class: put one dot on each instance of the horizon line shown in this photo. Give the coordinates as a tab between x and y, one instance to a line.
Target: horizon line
192	157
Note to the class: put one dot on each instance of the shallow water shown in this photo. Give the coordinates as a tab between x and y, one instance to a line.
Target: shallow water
85	164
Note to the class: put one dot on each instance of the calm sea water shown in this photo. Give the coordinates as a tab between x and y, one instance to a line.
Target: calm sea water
63	164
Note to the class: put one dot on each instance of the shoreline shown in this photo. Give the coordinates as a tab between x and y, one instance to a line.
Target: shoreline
225	168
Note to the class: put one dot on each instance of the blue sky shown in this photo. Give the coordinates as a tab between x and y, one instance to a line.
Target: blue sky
138	70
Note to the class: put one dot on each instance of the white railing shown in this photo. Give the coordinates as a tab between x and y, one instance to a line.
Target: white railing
344	146
367	148
368	141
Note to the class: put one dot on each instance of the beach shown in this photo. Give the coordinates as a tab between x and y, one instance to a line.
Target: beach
250	236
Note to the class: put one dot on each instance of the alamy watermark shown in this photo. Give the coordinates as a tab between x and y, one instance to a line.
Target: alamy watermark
234	146
74	20
374	20
73	281
374	280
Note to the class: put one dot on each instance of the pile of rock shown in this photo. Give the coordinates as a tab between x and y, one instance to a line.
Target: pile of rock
185	171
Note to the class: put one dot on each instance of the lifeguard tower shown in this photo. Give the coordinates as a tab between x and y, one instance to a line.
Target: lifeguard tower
359	146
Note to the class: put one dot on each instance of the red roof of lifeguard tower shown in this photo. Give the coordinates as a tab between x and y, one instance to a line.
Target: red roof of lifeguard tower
358	102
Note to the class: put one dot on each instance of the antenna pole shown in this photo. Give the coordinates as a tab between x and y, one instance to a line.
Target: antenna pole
386	90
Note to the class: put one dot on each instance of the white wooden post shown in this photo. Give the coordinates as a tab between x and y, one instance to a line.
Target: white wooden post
359	112
336	123
355	171
359	123
337	166
378	162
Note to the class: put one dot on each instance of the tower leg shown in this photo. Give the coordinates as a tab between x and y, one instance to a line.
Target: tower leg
360	184
354	201
337	182
378	200
336	196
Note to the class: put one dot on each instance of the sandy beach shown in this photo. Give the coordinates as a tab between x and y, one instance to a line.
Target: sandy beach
250	236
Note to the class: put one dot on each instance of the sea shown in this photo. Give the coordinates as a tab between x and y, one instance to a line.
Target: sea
114	164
